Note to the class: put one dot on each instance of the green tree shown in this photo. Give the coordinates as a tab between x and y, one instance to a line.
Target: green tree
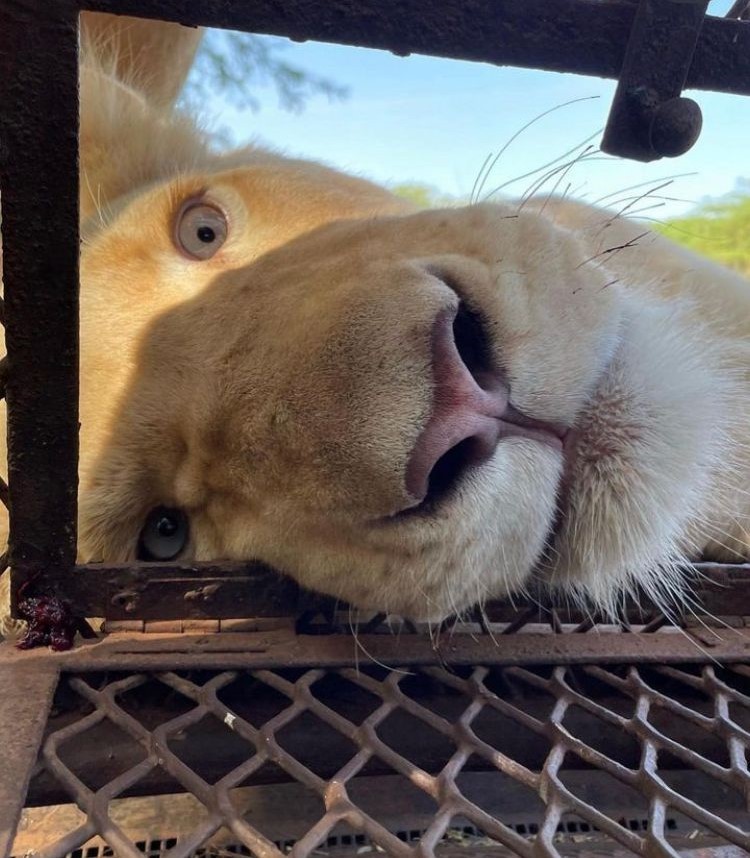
424	196
718	229
236	64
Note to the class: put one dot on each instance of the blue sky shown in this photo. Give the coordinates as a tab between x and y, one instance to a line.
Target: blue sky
435	121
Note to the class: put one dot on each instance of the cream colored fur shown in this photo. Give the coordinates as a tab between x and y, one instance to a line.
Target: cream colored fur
274	392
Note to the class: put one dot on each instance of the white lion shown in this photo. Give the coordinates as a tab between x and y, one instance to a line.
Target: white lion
412	411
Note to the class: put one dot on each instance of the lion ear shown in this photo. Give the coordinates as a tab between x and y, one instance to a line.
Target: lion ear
152	57
130	133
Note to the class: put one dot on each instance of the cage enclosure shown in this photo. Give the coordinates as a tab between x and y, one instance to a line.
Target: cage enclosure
223	710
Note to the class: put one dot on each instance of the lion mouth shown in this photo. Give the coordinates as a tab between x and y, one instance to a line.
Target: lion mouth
471	414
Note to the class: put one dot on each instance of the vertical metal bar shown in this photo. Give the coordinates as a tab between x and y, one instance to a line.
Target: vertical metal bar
25	702
39	182
649	118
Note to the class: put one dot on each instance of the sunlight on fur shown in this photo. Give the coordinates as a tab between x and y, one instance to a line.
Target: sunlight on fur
414	412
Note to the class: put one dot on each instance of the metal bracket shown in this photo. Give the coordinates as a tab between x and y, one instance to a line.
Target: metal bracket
650	119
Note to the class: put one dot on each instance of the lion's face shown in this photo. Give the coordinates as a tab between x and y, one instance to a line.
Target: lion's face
410	413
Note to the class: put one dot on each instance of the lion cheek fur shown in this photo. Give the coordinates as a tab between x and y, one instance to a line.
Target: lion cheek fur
652	445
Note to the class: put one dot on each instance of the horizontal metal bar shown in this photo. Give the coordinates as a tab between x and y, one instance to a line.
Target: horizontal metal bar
160	591
582	36
282	648
156	591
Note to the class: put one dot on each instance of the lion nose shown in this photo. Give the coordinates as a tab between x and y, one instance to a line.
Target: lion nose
468	403
471	411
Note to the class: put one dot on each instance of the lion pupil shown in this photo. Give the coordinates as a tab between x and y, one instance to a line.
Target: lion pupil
206	234
166	526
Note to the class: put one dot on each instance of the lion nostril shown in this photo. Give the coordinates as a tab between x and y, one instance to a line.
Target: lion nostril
469	400
472	344
471	411
452	465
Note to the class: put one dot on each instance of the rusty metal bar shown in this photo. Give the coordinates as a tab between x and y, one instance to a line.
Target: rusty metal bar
579	36
24	707
649	118
39	182
161	591
283	648
663	748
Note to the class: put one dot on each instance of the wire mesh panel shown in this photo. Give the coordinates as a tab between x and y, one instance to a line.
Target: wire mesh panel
626	760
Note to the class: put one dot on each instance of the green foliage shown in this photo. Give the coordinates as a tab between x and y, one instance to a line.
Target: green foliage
236	64
423	196
718	229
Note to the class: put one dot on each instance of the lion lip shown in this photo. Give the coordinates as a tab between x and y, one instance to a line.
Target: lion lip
553	434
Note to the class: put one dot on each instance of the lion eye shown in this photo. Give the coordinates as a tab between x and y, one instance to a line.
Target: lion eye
200	230
164	535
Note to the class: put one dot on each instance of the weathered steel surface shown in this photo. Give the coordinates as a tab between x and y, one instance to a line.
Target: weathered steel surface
283	648
39	185
166	591
638	756
154	591
649	118
583	36
285	812
25	698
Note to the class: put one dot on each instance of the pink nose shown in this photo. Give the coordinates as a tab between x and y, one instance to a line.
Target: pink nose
471	412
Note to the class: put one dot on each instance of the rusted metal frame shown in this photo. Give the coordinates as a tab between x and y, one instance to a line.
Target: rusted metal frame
213	591
443	787
283	648
93	803
338	804
651	783
156	746
721	725
581	36
264	739
736	737
645	731
565	801
166	591
24	707
450	801
370	744
649	118
39	184
216	797
564	742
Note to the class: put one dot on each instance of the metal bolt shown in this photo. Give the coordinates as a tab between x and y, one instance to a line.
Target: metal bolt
127	600
675	126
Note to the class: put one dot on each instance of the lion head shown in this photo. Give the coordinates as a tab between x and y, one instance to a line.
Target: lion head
411	411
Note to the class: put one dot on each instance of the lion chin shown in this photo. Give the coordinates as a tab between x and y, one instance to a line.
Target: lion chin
411	411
